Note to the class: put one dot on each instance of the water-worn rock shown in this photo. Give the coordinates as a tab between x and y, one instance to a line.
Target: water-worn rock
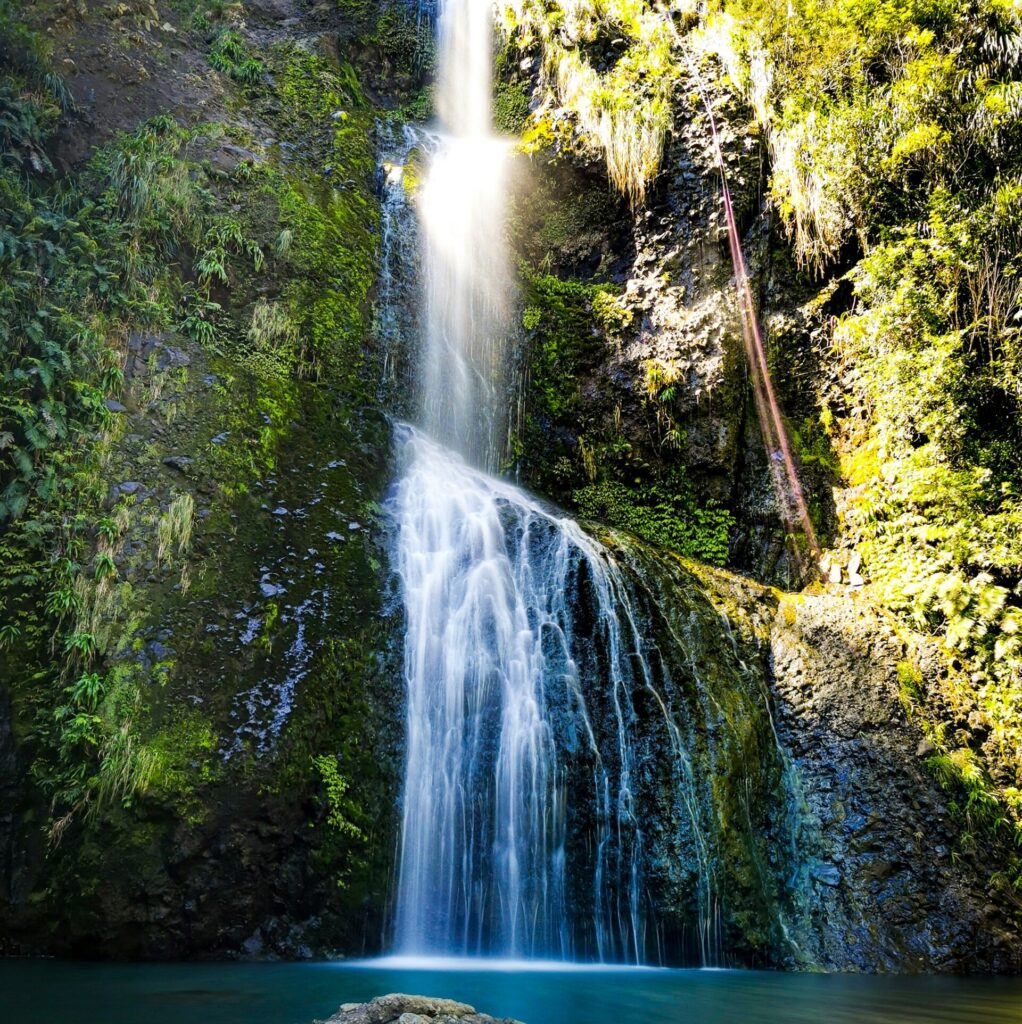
406	1009
883	894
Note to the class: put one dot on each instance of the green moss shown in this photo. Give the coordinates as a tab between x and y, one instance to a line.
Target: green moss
511	108
895	154
396	49
330	220
736	821
561	223
111	233
665	514
561	319
120	239
405	39
568	324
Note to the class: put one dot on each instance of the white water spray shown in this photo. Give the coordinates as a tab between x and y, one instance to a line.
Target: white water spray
462	213
520	661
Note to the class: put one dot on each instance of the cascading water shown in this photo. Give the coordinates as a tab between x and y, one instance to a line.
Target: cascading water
466	280
547	747
503	749
395	307
493	653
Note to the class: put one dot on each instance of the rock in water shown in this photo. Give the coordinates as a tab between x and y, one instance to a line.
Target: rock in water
406	1009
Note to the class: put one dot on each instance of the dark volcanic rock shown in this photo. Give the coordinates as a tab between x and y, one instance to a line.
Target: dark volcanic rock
880	892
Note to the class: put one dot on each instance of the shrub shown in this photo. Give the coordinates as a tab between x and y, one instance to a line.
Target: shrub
664	514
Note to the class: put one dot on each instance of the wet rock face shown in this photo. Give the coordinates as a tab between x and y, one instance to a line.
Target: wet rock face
405	1009
245	613
681	288
881	876
893	888
263	648
665	396
789	818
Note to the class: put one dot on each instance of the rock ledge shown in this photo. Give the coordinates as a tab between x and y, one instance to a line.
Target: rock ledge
406	1009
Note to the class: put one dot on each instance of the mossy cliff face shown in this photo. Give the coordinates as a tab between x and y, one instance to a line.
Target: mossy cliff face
636	410
206	604
869	151
802	827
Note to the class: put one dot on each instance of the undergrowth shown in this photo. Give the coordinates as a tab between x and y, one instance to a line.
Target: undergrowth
145	238
894	131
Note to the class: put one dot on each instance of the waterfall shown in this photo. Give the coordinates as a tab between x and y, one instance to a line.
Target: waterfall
519	663
519	835
466	279
562	767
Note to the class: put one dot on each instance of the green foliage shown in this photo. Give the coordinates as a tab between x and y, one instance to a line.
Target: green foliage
396	45
869	106
960	770
937	359
562	321
665	514
73	266
609	69
267	266
88	690
405	39
230	54
512	91
511	108
32	95
314	89
894	131
341	813
661	382
568	324
224	237
340	808
174	529
419	108
83	261
316	226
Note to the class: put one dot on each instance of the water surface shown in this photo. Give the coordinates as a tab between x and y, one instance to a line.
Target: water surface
59	992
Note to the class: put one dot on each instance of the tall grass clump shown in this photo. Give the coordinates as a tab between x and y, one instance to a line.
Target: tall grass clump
612	67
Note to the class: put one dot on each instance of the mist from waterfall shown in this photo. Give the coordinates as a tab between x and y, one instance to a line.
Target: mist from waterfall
467	285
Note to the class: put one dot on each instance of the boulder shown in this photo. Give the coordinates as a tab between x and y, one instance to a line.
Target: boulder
405	1009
